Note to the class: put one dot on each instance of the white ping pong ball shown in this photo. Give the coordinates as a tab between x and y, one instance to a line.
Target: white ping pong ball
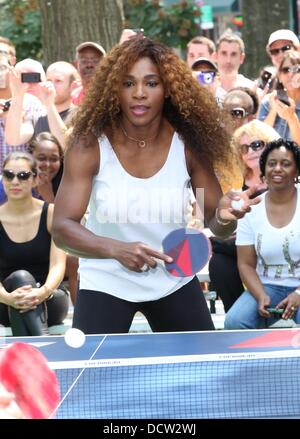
237	204
74	338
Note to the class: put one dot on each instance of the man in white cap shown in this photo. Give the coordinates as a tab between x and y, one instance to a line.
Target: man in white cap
88	56
280	41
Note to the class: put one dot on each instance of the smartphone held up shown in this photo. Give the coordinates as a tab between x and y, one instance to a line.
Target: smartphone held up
6	105
283	97
266	77
206	77
30	77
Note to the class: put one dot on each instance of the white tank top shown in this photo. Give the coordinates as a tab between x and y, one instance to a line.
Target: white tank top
133	209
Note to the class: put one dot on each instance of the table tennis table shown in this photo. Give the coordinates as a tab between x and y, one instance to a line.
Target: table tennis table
195	375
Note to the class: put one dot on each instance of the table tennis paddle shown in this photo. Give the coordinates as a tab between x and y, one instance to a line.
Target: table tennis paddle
24	371
190	250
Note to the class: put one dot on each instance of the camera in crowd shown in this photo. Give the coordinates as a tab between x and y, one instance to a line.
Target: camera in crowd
30	77
267	77
206	77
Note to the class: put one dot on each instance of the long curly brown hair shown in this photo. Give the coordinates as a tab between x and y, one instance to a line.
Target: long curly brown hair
190	108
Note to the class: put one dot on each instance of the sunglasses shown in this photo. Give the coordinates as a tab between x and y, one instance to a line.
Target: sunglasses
86	61
206	77
293	69
257	145
21	176
281	49
239	113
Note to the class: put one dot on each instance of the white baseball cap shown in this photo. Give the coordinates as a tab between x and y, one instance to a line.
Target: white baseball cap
90	44
283	34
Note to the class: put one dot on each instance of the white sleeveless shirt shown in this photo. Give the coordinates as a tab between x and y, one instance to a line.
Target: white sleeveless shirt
130	209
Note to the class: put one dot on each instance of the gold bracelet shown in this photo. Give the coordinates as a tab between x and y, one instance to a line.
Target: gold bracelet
219	220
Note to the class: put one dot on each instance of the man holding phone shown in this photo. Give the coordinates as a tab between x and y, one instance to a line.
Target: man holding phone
30	108
25	79
54	92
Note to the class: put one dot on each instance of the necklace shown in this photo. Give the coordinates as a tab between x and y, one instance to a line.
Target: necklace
141	143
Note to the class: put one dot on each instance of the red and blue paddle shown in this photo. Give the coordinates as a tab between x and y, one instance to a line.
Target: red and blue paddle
190	250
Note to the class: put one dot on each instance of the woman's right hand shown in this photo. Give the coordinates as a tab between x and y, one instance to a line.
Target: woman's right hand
263	304
136	255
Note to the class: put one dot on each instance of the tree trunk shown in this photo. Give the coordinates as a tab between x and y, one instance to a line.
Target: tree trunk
67	23
261	18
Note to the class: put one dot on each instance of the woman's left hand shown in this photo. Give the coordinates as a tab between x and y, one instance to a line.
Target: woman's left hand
290	304
234	205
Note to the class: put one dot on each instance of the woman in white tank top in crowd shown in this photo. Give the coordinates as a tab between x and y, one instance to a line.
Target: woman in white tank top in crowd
145	132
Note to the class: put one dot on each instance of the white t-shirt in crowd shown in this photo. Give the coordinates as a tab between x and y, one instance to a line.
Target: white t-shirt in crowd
241	81
277	249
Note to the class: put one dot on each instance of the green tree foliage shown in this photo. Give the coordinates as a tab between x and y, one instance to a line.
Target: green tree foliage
20	22
173	25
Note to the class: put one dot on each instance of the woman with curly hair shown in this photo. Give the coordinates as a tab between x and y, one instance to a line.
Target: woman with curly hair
268	243
144	132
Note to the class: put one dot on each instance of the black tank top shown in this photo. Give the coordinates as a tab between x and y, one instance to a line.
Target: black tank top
32	256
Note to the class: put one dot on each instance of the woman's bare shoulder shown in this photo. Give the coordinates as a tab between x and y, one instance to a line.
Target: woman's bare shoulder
84	153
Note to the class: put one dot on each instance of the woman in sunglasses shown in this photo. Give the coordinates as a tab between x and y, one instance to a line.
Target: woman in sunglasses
48	153
31	266
249	142
281	108
268	243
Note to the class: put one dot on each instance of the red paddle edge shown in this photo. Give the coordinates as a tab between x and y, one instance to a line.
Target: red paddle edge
24	371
